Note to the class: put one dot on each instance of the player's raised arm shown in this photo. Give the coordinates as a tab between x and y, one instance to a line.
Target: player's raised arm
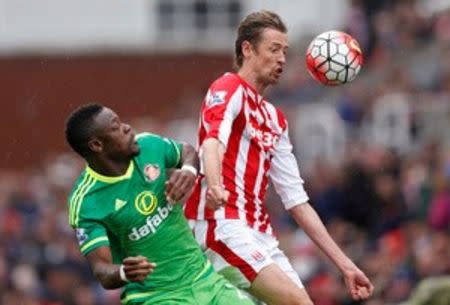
181	181
358	285
289	185
112	276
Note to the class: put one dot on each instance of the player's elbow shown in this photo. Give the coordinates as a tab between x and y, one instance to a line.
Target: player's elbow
211	144
211	147
107	282
106	285
189	148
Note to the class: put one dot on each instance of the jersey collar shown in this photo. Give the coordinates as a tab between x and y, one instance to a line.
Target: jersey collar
111	179
255	96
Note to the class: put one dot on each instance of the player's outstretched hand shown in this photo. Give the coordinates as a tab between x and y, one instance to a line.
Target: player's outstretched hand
179	185
137	268
216	197
358	285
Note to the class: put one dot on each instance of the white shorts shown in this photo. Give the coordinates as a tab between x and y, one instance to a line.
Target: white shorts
239	252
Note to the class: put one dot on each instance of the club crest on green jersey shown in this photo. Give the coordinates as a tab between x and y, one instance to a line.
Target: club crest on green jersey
152	172
146	202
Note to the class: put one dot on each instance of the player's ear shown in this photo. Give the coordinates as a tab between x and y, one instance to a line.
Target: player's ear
246	48
95	145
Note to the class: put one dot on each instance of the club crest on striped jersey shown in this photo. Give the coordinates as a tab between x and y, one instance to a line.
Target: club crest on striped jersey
216	98
152	172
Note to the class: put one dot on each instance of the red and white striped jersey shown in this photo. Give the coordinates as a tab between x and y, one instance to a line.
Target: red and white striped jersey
255	134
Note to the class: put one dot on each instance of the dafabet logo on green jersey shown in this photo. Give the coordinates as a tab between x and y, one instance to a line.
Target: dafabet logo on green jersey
146	203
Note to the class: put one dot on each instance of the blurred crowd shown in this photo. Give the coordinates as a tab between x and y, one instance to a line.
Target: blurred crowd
387	206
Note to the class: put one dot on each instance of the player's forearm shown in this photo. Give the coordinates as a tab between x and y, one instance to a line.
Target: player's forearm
212	161
307	218
189	156
108	275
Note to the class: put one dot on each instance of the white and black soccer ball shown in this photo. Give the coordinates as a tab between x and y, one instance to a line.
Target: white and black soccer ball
334	58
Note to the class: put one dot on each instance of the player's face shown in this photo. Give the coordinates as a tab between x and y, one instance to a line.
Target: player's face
114	138
269	56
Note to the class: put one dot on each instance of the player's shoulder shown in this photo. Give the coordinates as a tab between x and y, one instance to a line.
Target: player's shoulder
147	137
222	89
149	140
153	142
82	192
228	81
81	182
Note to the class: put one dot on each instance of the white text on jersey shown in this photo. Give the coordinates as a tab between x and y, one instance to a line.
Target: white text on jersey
152	223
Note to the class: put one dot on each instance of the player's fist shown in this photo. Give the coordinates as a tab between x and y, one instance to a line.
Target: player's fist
179	185
358	284
216	197
137	268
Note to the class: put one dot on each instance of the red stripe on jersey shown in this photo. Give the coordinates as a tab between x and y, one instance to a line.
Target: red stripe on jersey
281	119
251	173
265	223
232	258
262	193
191	206
228	171
201	135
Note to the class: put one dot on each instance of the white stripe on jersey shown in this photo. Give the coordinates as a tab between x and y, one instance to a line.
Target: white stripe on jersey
269	229
272	114
232	110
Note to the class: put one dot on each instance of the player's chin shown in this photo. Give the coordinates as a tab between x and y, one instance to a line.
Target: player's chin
275	79
134	149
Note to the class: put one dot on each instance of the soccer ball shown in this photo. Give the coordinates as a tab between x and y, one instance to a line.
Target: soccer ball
334	58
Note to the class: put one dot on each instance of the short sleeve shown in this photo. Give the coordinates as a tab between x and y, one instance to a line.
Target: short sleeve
222	104
172	152
170	148
90	235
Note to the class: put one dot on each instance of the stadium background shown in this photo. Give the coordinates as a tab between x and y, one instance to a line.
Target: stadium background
375	153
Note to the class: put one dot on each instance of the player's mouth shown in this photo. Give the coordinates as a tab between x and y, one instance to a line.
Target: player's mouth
133	140
278	72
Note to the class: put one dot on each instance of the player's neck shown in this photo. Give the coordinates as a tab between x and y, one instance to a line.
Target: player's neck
251	78
110	168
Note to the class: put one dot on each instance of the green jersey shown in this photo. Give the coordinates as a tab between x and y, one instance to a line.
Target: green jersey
130	214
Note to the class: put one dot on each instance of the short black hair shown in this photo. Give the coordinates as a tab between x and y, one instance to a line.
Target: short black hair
79	127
